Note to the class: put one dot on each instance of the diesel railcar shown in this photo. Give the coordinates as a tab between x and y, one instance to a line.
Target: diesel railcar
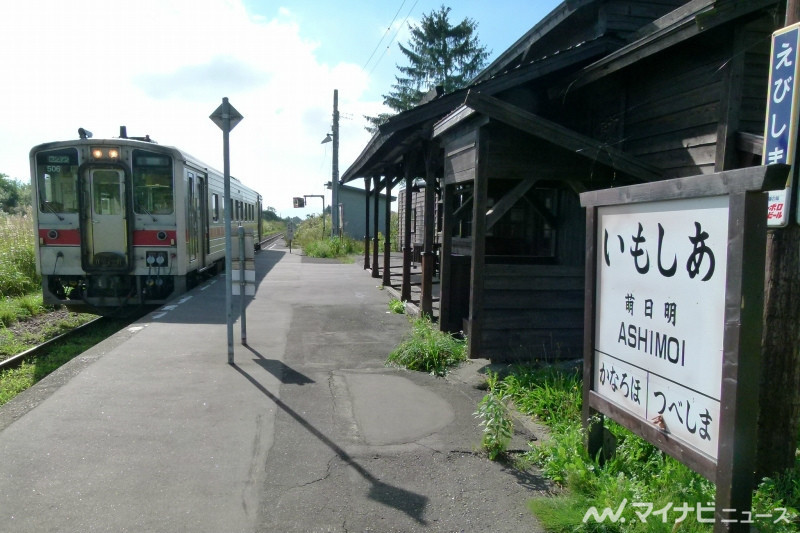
125	222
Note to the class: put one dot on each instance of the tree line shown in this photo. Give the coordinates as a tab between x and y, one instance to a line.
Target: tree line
15	196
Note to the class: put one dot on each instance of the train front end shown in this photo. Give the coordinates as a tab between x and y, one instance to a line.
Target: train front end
105	215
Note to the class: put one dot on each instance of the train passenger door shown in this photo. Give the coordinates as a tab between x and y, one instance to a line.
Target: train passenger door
201	197
108	226
196	220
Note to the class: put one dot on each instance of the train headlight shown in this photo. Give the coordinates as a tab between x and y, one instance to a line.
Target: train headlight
105	153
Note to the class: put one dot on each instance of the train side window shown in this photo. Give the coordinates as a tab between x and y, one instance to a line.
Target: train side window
215	207
152	183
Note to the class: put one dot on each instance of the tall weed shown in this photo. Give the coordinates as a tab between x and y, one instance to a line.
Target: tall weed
498	427
17	256
427	349
637	471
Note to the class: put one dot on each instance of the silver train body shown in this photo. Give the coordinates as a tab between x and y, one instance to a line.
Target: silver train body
125	222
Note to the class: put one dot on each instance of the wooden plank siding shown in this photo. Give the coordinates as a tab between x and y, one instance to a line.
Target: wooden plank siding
756	75
459	161
532	312
685	110
678	100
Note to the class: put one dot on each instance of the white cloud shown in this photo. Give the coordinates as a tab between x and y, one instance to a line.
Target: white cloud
161	67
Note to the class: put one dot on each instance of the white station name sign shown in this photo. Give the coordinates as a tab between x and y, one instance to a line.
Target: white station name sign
661	273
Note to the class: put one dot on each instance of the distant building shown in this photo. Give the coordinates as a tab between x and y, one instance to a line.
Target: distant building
353	212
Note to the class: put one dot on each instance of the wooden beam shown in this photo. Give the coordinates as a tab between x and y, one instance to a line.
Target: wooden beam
693	18
507	202
561	136
463	206
476	278
731	102
542	209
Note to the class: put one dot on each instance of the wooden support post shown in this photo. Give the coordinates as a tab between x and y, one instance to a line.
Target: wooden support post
376	200
444	258
429	224
387	228
366	224
479	205
405	290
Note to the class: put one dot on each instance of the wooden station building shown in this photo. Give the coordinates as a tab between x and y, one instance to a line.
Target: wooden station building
600	93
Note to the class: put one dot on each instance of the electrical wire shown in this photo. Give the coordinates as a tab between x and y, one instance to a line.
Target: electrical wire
394	36
388	29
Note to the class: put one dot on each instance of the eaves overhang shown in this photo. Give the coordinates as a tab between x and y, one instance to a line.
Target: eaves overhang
481	105
691	19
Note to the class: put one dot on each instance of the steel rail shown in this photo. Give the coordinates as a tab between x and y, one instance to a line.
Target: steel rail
16	360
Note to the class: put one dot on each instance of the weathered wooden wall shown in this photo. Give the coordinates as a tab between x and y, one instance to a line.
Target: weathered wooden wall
532	312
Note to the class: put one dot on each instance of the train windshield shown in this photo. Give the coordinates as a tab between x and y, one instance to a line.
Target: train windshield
57	180
152	183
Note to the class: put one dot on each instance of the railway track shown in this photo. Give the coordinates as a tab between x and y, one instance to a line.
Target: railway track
271	239
89	328
36	351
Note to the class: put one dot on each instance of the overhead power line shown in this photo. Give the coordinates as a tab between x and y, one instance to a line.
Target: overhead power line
388	29
394	36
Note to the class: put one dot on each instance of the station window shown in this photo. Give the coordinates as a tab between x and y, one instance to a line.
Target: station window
527	229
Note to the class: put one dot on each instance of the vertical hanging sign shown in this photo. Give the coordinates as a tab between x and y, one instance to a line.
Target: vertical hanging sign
780	129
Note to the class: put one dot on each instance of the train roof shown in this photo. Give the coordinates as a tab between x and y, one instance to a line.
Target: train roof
138	142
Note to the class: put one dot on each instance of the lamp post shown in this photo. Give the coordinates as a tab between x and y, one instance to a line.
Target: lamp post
334	136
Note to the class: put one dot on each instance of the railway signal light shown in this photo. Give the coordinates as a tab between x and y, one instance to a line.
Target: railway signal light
299	201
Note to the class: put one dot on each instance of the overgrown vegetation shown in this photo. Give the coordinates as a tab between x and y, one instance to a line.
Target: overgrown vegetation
498	427
16	380
333	247
427	349
397	306
17	256
636	473
315	240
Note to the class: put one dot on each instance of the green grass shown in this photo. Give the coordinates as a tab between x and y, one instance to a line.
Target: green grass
333	247
12	344
397	306
427	349
16	380
636	473
17	257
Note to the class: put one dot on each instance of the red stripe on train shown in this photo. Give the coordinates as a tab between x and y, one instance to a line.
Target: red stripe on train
59	237
151	237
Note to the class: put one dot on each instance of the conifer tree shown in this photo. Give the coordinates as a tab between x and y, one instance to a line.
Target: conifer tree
439	54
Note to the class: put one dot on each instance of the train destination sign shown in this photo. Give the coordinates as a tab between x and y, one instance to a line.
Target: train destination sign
673	320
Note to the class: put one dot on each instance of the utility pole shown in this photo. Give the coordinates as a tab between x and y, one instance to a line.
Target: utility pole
779	411
335	222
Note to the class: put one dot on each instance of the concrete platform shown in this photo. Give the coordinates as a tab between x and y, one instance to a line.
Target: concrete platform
153	430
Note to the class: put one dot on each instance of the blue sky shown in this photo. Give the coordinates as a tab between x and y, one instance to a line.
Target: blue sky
161	67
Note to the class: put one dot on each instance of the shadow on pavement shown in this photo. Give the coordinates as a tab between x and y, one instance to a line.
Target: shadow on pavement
408	502
283	372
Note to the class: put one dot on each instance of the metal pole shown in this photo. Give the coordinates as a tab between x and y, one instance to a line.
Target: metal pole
226	120
242	283
336	223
